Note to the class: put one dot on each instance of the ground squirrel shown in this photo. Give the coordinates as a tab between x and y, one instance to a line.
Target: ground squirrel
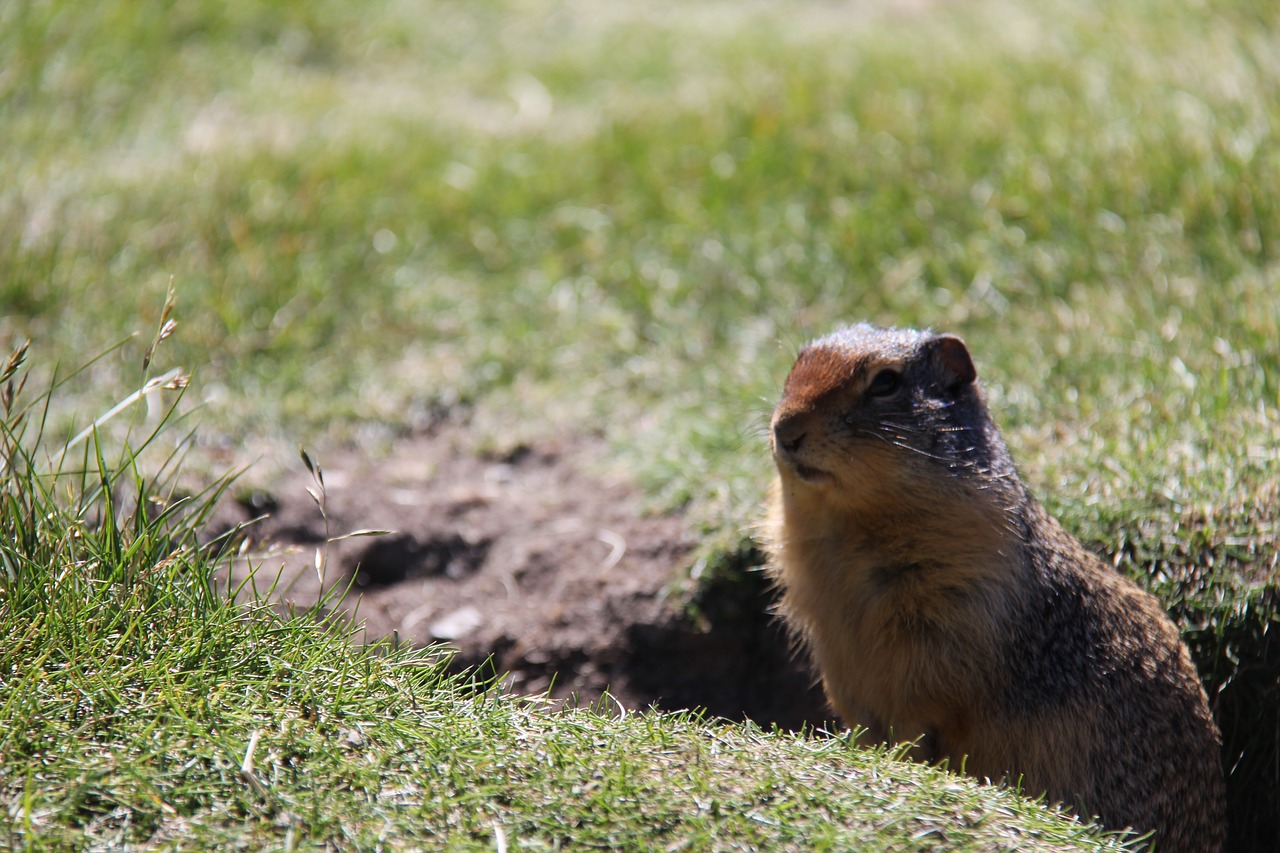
943	605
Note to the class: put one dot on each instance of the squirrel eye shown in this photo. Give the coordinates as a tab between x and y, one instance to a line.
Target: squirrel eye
885	383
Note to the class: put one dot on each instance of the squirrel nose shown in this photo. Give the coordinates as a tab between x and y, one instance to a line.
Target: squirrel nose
789	433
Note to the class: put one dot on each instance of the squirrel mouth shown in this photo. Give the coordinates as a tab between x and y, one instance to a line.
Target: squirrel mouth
806	473
810	475
788	461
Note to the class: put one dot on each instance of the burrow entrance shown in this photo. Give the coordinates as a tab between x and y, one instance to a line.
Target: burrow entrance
533	566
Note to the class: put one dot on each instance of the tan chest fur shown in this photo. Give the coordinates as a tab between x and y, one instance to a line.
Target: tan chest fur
906	642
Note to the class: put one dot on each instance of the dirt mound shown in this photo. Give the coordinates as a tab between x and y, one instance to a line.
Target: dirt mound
529	562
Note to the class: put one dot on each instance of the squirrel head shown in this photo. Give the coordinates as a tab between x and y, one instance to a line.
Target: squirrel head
866	412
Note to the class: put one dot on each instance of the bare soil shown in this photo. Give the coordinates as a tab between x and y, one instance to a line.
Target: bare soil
533	566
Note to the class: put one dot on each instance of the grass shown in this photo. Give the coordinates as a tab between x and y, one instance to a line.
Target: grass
564	216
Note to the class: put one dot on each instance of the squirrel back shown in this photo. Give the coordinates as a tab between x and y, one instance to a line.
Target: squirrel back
943	605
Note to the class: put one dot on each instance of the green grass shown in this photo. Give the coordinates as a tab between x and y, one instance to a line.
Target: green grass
566	216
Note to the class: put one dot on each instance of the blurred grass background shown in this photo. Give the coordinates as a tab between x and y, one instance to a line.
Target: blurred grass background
624	220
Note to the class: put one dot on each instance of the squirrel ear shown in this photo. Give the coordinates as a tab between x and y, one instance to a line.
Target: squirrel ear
952	359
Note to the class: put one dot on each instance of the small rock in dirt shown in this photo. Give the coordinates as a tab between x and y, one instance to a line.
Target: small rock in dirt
457	624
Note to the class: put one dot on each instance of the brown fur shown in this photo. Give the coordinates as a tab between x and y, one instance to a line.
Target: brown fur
943	605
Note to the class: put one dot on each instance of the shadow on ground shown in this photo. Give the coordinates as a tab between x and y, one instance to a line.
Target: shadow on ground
531	564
